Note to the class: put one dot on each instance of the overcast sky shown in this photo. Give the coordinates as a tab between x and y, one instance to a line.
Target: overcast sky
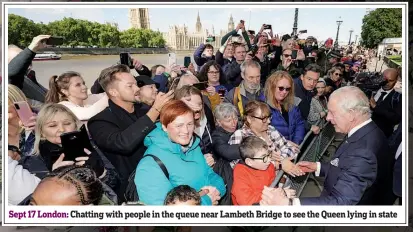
319	22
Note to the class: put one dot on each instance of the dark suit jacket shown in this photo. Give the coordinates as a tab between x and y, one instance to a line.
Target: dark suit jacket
364	172
386	115
120	137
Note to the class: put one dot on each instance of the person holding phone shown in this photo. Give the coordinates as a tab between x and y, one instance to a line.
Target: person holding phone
53	121
20	66
288	58
214	76
69	89
119	130
203	54
26	117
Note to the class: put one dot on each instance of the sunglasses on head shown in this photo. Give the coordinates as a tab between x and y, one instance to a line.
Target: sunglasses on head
281	88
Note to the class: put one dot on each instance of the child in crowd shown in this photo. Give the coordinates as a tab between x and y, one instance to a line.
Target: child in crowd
183	195
253	173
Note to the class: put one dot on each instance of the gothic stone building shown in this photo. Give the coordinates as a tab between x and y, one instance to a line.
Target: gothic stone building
178	37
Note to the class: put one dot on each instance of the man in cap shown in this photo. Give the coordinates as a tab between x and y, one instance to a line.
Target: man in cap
148	89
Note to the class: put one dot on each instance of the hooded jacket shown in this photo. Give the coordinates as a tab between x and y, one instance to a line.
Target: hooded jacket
184	168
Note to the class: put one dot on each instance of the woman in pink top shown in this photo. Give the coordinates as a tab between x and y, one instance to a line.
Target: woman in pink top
69	89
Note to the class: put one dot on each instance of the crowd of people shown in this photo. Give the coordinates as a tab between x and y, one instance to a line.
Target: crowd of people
213	133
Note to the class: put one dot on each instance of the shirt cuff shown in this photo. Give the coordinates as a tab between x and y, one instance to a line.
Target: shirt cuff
317	172
296	201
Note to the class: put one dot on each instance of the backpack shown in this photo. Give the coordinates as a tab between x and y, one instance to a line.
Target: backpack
131	193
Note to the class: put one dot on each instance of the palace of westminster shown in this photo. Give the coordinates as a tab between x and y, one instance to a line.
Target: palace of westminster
178	37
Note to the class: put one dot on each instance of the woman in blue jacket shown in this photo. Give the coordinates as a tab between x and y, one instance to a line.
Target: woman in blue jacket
173	142
286	117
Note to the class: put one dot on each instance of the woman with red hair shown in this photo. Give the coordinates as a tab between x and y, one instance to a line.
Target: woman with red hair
173	142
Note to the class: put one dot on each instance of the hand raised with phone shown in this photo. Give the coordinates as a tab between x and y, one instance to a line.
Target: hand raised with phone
38	43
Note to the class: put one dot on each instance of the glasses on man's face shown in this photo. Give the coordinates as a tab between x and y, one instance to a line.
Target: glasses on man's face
264	158
286	89
263	119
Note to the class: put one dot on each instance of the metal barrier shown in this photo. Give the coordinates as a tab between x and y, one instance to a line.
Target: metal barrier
313	153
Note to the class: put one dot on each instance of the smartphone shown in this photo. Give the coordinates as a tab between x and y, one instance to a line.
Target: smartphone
242	21
126	59
236	38
84	136
267	27
294	54
210	39
302	31
24	111
187	61
201	85
251	32
171	58
73	145
55	40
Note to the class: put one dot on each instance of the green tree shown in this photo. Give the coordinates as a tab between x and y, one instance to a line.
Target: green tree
79	32
379	24
21	30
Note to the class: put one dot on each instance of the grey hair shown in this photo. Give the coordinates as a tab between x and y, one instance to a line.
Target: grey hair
249	64
225	110
355	100
185	76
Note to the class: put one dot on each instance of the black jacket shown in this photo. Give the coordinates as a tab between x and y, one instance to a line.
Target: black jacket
120	137
219	58
221	147
305	103
206	139
388	113
17	76
233	73
96	88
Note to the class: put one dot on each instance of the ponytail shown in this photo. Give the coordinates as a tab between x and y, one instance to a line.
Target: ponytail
52	95
56	84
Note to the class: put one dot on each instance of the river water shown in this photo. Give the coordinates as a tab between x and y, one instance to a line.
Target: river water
91	66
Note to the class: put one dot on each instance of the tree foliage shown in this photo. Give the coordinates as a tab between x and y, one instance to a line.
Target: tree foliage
78	32
380	24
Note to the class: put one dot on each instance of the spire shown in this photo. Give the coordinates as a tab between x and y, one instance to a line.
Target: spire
231	24
198	25
213	30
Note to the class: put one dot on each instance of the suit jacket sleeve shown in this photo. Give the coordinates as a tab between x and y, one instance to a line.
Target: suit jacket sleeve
353	180
109	137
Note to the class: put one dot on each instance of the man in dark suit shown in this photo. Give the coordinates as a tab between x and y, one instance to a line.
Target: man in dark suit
119	129
386	104
360	172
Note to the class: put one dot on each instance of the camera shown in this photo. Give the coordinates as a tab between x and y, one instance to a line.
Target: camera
267	27
126	59
210	39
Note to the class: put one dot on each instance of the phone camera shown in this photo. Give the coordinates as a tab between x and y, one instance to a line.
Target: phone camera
17	106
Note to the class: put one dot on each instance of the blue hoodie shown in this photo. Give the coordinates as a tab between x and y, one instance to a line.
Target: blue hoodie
189	168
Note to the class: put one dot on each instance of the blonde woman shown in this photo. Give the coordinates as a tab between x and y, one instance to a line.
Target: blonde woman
54	120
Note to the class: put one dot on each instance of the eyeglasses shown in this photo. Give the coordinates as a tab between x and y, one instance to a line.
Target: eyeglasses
211	72
264	158
263	119
338	74
286	55
281	88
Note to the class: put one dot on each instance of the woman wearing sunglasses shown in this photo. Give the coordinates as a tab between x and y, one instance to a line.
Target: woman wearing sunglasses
257	120
286	117
333	80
